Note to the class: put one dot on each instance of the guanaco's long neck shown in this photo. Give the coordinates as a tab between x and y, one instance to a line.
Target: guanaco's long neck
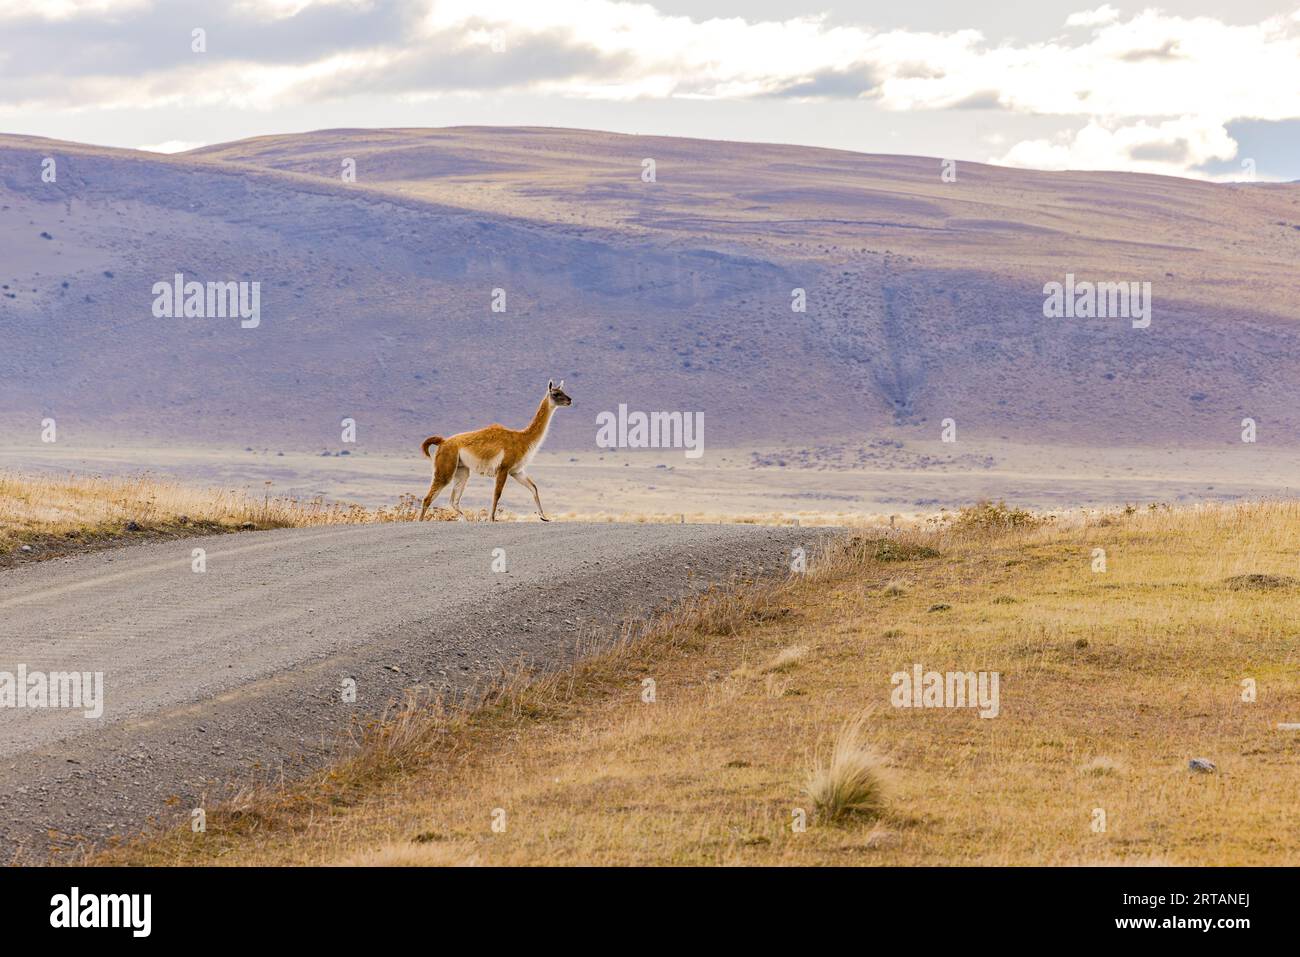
536	430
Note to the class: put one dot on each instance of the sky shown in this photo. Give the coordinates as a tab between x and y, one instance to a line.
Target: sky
1199	89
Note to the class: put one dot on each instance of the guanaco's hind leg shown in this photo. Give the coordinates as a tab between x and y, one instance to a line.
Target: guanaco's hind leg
443	469
458	488
528	483
496	494
435	487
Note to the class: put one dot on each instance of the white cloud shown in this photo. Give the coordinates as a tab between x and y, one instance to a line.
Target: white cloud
1093	18
66	9
1151	65
171	146
283	9
1140	91
1169	147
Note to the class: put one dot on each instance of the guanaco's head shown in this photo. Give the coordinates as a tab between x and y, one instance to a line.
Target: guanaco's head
557	394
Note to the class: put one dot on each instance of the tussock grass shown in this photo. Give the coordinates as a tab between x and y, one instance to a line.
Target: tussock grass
1111	683
1101	766
787	659
850	781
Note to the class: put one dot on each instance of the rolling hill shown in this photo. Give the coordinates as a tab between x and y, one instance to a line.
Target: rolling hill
924	297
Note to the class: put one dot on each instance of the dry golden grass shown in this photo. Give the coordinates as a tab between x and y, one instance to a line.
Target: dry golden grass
1110	682
416	854
64	512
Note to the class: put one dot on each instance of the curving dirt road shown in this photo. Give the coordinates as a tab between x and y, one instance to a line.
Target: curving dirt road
216	665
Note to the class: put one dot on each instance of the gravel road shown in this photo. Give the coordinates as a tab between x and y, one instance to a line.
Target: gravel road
218	670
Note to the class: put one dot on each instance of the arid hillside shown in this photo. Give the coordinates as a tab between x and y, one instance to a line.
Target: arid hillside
924	297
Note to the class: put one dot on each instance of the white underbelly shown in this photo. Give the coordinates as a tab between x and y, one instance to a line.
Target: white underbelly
483	466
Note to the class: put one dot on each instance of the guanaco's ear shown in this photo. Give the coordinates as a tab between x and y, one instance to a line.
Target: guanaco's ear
550	385
561	385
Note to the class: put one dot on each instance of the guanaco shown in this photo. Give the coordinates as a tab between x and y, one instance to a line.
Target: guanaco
495	451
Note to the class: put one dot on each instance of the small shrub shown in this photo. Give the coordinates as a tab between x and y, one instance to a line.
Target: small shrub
1260	582
987	516
893	550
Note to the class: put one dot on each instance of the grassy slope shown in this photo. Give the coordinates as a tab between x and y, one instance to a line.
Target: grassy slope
1110	682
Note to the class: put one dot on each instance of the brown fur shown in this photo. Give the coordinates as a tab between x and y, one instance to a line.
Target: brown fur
495	450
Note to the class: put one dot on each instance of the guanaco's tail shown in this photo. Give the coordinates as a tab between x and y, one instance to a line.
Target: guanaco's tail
431	440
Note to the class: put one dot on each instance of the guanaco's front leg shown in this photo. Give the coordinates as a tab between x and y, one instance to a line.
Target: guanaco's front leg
496	493
528	483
